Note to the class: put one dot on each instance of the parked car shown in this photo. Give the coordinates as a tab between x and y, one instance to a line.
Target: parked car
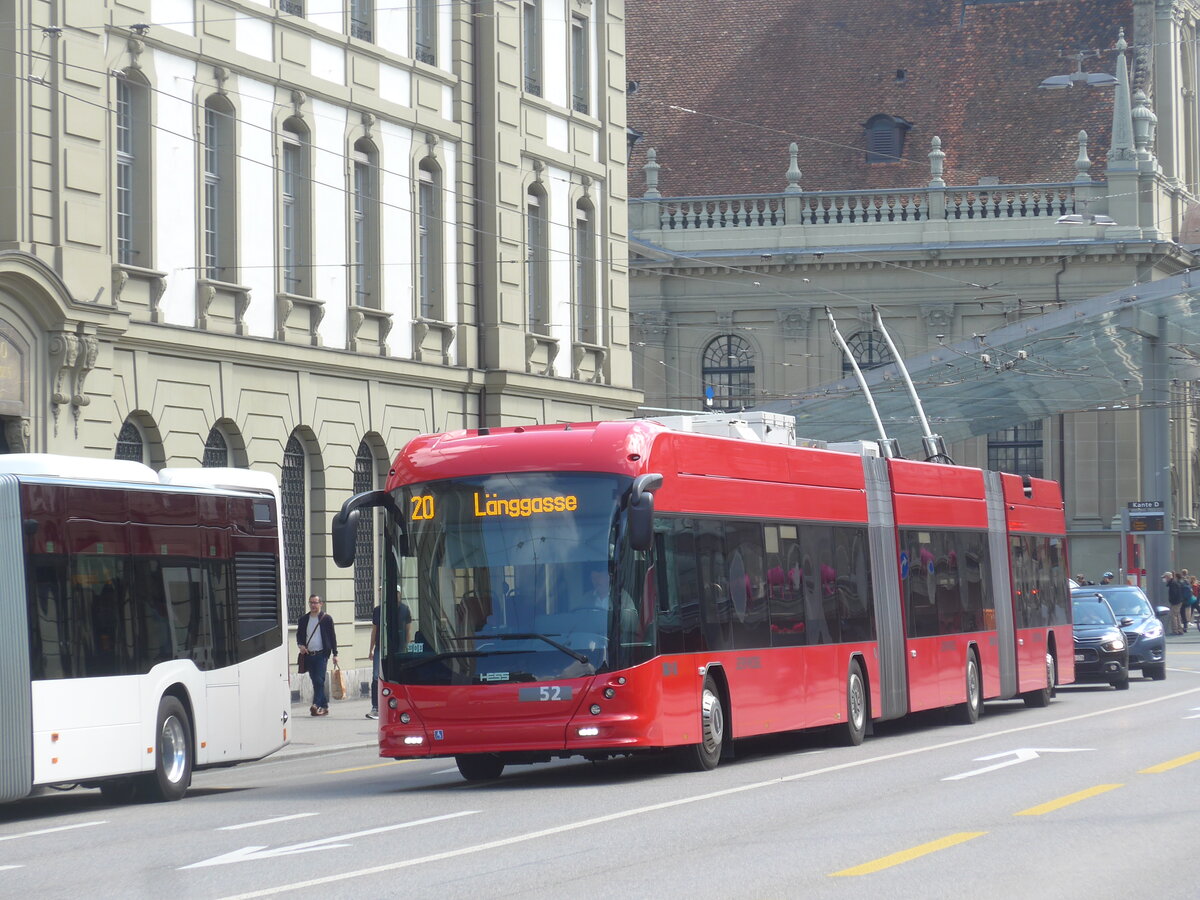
1100	650
1144	635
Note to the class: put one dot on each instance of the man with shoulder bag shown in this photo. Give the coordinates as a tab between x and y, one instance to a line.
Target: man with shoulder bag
317	642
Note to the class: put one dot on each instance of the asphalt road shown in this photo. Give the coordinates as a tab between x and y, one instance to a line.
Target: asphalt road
1092	797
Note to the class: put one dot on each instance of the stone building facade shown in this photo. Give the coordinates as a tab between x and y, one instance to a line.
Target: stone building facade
292	234
927	174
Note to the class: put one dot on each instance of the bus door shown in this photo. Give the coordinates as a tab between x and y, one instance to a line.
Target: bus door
16	757
923	644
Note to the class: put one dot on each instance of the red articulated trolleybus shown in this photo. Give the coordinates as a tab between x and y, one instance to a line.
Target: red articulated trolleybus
606	588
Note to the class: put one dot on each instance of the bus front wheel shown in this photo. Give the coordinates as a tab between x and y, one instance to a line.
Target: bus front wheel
706	754
479	766
172	773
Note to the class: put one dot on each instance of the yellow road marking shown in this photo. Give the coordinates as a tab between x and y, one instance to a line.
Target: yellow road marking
390	762
1068	800
895	859
1170	764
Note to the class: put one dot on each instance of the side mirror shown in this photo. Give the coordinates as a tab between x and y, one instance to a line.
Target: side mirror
641	510
344	530
1162	610
1126	622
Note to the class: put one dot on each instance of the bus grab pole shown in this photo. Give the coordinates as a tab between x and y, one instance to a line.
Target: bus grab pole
884	440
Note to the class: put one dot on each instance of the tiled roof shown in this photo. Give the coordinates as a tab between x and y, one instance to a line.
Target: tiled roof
760	74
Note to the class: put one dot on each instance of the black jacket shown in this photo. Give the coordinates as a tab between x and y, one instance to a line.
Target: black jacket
328	637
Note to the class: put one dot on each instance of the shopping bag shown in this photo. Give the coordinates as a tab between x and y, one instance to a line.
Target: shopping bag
340	688
301	663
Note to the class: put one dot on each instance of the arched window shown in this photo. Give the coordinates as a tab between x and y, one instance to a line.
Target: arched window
293	491
220	191
885	138
365	224
130	444
728	373
869	350
587	313
216	450
537	260
430	256
134	244
295	218
364	541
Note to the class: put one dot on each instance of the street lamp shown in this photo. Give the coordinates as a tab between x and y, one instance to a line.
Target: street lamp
1091	79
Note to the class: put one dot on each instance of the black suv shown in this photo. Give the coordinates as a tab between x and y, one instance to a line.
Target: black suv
1144	631
1101	653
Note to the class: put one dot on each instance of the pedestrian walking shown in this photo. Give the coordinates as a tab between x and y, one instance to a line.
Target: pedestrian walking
317	640
1174	591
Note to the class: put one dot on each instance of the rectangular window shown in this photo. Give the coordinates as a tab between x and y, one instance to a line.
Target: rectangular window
537	265
362	19
1017	450
292	7
125	174
365	231
581	87
532	15
426	31
291	238
585	279
212	195
429	246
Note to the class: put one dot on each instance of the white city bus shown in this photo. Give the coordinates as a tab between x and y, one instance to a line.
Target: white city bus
142	633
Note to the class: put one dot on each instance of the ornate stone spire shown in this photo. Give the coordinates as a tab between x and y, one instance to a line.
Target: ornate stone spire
1121	154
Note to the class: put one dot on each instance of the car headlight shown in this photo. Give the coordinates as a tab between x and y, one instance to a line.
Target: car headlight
1113	644
1153	631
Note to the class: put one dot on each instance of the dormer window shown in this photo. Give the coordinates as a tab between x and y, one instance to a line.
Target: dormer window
885	138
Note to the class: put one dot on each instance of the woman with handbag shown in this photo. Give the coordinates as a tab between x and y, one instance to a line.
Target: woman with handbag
317	642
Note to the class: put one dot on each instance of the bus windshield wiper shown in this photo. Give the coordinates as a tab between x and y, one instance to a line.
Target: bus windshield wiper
524	636
453	654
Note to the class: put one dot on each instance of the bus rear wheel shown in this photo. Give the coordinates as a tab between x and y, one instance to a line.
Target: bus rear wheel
706	754
967	712
172	773
479	766
855	729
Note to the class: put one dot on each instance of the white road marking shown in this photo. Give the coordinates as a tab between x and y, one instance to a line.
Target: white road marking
338	840
266	821
4	868
446	771
683	801
13	837
1018	756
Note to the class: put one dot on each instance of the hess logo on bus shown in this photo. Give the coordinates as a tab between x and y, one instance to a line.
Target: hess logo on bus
494	505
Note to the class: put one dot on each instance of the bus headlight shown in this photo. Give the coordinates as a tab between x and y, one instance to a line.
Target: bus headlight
589	731
414	739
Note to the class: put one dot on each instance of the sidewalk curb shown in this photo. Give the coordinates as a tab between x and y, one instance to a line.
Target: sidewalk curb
294	750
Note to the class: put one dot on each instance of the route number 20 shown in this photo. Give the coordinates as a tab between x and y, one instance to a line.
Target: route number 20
422	508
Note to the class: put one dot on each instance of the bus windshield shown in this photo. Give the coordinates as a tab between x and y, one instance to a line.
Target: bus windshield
511	577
